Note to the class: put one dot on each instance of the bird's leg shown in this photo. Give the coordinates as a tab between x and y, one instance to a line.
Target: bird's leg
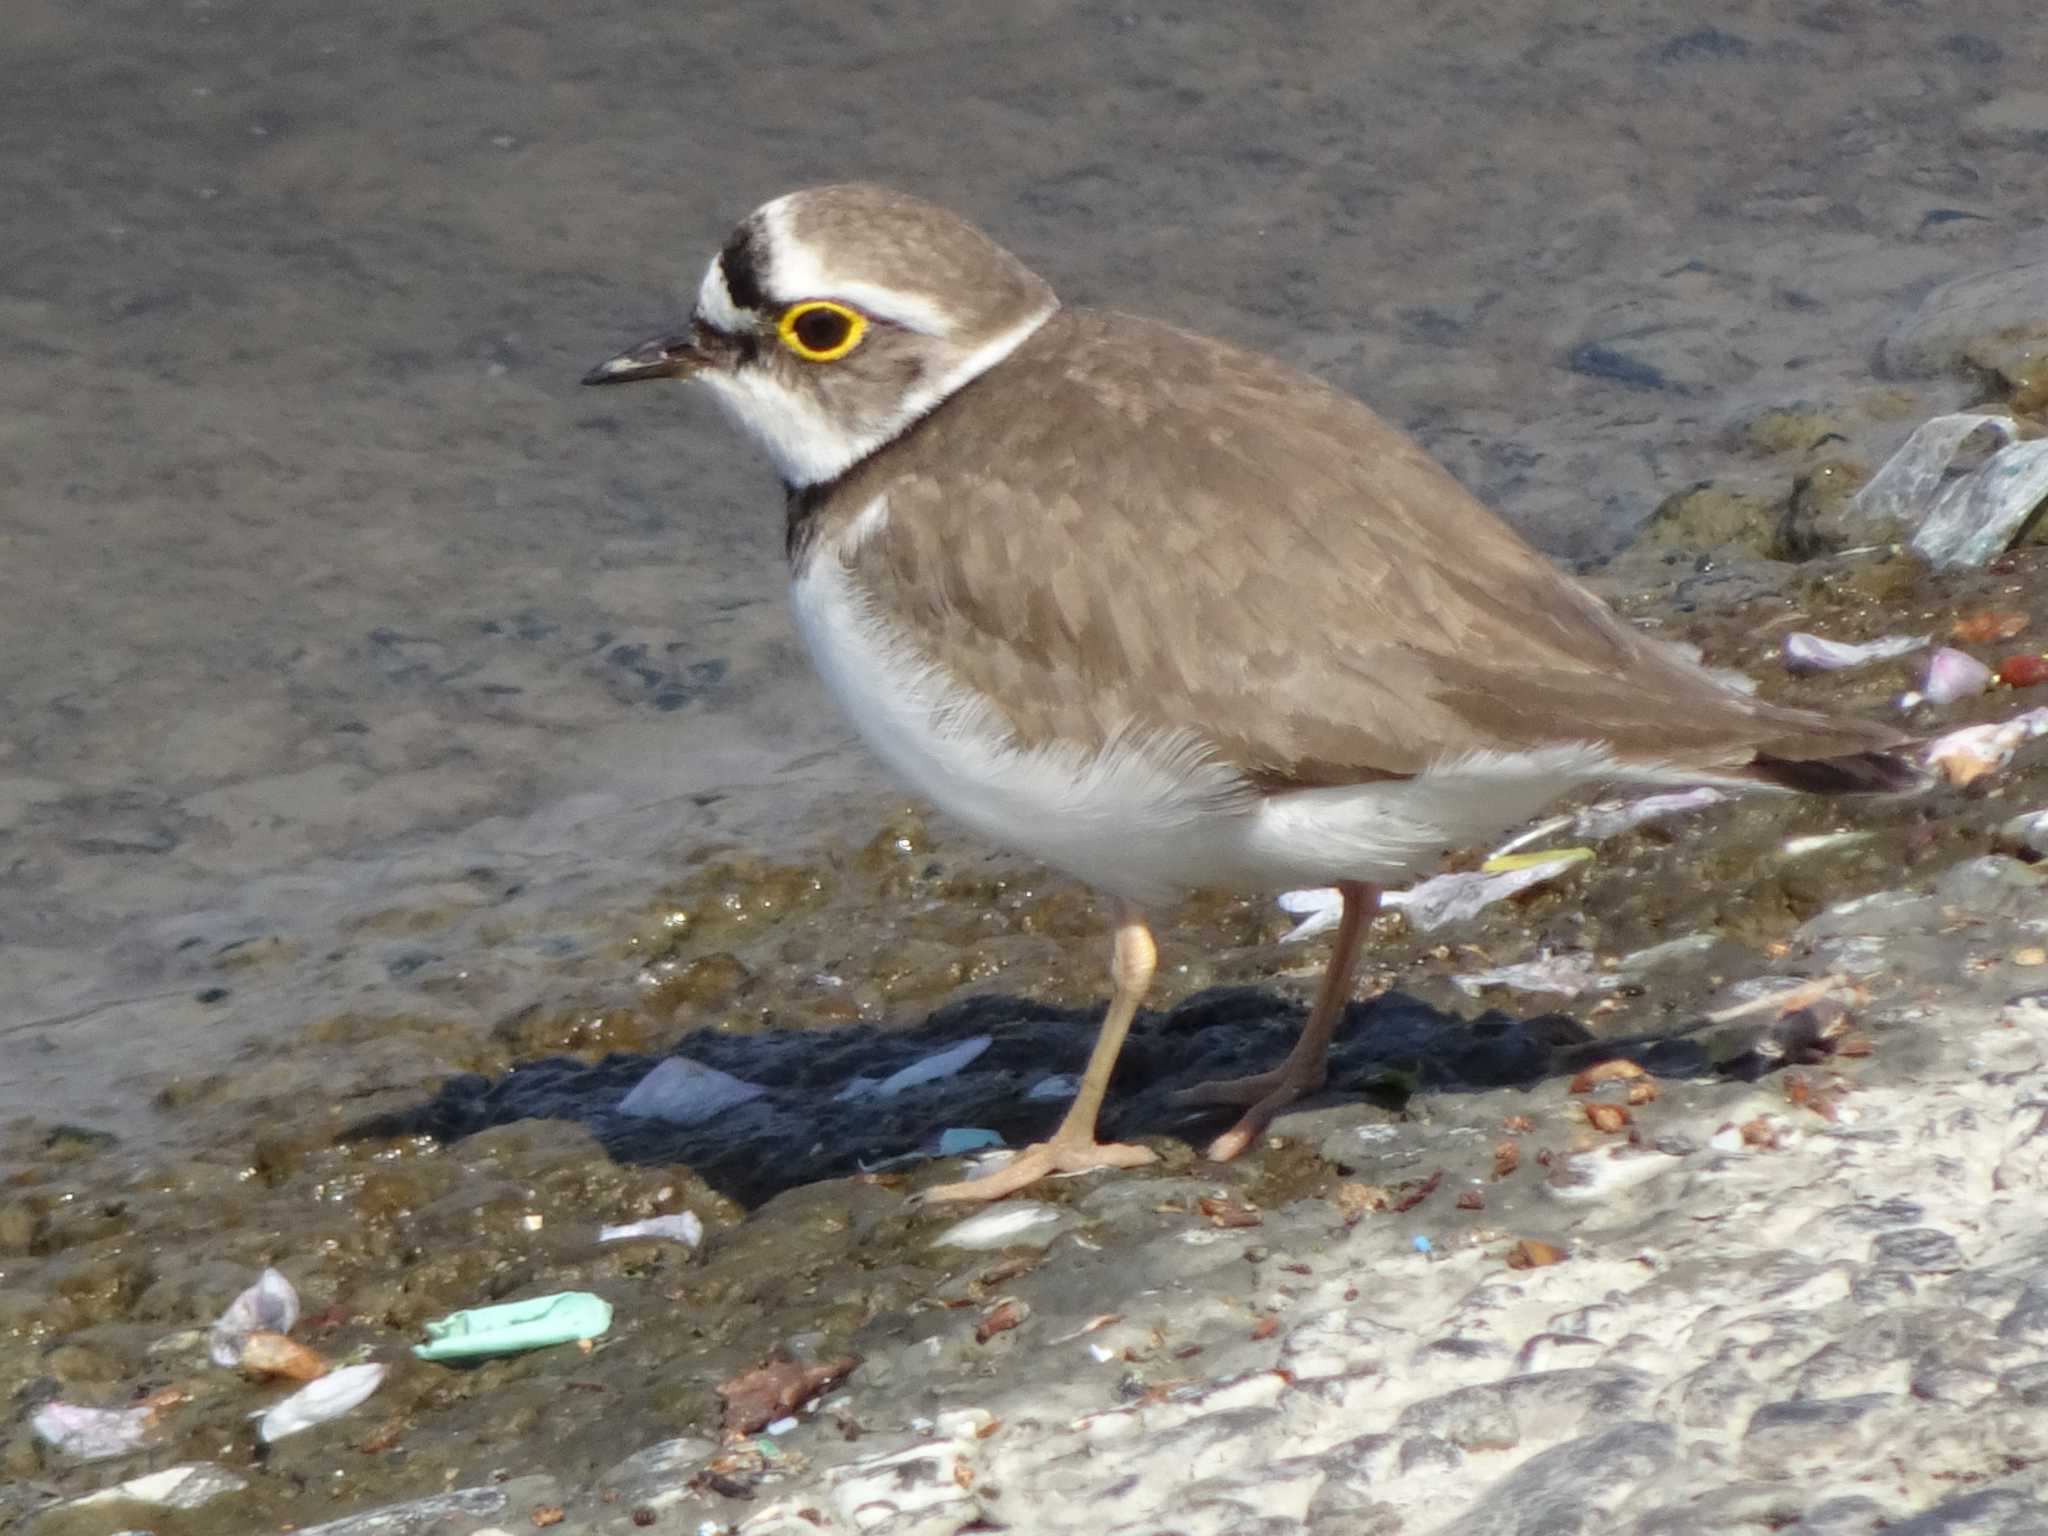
1073	1147
1267	1093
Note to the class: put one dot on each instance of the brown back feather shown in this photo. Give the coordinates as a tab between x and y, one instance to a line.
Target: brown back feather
1212	541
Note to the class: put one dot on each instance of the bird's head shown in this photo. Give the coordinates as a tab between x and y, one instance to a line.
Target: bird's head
835	317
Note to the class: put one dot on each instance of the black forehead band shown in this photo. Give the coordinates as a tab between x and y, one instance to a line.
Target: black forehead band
736	264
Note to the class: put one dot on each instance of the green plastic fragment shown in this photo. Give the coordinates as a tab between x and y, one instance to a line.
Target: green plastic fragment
1507	862
516	1325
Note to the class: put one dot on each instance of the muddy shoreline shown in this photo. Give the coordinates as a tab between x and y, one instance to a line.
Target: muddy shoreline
399	1167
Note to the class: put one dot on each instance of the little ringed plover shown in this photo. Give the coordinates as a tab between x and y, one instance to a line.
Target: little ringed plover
1168	614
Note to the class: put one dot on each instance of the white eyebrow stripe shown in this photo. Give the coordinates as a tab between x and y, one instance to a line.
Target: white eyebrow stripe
795	272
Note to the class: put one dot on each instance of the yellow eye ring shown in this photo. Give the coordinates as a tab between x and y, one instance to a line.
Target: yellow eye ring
819	331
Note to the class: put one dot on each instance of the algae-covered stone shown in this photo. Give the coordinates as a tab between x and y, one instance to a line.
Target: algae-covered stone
1711	516
1786	429
2015	357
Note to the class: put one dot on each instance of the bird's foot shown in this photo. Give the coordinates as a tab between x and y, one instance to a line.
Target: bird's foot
1040	1161
1264	1094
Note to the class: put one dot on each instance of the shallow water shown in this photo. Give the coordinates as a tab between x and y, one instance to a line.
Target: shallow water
357	660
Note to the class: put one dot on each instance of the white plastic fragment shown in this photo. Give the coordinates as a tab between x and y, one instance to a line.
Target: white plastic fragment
1611	818
181	1487
1318	910
91	1434
686	1092
1431	904
1811	653
1017	1221
1953	675
1567	975
1970	518
1058	1086
784	1425
1821	842
1976	750
925	1069
1577	971
683	1228
328	1398
268	1306
1453	898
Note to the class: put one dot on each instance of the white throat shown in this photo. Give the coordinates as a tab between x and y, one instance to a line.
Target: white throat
809	447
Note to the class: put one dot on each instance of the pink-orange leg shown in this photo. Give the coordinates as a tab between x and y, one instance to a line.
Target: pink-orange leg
1073	1147
1267	1093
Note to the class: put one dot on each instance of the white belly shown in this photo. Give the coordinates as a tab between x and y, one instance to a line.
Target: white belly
1149	816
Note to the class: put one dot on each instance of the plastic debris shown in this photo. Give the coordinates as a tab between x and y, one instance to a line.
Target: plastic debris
1507	863
1576	971
1015	1221
683	1228
181	1487
781	1426
1810	653
964	1138
268	1306
1317	908
516	1325
1953	675
1970	518
686	1092
926	1069
1439	900
1821	842
1421	1244
328	1398
1975	750
1567	975
1453	898
1611	818
1058	1086
92	1434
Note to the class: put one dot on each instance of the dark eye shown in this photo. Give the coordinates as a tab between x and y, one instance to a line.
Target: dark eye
820	331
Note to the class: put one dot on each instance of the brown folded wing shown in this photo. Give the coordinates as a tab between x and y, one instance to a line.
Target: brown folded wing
1209	540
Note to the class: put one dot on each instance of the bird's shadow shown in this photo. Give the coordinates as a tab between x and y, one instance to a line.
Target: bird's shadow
805	1127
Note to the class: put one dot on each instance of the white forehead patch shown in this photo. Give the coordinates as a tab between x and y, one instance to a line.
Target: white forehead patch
714	300
797	270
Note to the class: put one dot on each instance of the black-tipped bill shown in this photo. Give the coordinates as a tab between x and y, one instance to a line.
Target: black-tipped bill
659	357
